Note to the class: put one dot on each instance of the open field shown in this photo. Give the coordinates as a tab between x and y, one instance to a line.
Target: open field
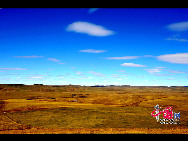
89	110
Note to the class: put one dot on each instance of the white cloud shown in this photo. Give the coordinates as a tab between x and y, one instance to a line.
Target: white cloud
156	71
72	67
61	77
34	56
116	75
89	28
132	65
172	71
123	58
54	60
160	67
91	10
128	57
180	26
148	56
177	39
79	73
83	78
12	69
36	77
92	51
96	74
158	74
153	70
170	79
121	71
11	74
178	58
62	63
119	79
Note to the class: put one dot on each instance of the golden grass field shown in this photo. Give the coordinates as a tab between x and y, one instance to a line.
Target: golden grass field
90	110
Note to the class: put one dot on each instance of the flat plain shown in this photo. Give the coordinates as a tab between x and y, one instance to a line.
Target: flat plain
31	109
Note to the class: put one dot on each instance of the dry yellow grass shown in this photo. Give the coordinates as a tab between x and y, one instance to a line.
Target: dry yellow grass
97	131
113	110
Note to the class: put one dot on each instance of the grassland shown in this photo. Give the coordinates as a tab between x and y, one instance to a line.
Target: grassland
89	110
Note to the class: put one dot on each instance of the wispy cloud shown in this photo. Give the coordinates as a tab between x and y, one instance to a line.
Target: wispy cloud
148	56
54	60
154	70
178	37
12	69
62	77
115	75
72	67
123	58
132	65
170	78
178	58
36	77
157	71
129	57
180	26
11	74
34	56
172	71
164	74
121	71
92	51
91	10
83	78
89	29
79	73
96	74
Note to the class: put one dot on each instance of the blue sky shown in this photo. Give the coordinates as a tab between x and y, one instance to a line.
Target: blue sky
94	46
